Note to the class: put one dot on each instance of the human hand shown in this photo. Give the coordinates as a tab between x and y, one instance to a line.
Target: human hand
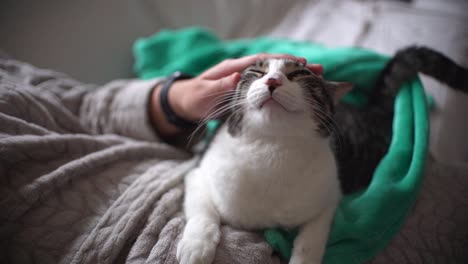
196	98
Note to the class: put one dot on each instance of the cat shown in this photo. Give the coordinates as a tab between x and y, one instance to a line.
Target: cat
288	151
363	134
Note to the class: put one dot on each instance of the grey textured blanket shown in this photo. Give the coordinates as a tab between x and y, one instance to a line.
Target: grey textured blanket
85	179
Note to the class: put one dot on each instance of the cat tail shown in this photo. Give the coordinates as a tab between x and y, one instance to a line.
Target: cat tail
410	61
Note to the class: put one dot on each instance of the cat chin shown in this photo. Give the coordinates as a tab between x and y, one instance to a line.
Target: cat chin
271	113
276	103
274	109
274	120
271	106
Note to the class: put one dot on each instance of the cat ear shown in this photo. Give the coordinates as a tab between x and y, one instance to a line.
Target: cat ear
339	89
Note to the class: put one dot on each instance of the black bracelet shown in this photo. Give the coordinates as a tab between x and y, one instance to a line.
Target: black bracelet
171	116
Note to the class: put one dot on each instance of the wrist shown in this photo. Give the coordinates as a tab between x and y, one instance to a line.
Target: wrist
157	116
177	99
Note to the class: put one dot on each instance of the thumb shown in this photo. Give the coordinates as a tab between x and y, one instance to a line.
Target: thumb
227	83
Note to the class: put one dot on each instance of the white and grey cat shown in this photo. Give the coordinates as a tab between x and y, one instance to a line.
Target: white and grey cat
270	165
277	159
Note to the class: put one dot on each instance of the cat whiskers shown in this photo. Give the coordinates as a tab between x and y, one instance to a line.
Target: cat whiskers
327	121
331	127
227	96
226	104
219	112
228	92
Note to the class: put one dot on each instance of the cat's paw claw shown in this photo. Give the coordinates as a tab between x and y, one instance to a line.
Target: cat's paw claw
195	251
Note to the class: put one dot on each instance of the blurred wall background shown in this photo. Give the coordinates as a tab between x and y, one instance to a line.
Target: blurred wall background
91	39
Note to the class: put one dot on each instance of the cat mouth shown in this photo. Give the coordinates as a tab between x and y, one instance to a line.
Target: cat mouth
270	102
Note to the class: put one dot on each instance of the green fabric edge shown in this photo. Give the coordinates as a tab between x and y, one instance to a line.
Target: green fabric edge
361	227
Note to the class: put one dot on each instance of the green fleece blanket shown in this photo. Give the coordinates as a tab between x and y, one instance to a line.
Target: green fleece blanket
365	221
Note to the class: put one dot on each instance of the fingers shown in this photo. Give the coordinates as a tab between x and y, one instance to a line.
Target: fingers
264	56
224	84
316	68
211	94
230	82
230	66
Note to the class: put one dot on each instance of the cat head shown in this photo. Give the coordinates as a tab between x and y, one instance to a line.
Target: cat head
283	97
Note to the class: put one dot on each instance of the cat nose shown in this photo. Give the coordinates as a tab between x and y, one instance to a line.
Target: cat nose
273	82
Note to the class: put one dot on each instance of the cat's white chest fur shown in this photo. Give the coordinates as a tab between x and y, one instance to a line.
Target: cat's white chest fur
269	167
271	182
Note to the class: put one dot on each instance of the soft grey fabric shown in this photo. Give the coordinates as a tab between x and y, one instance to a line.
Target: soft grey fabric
84	179
436	231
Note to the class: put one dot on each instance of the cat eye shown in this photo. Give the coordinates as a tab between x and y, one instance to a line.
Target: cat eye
298	73
257	72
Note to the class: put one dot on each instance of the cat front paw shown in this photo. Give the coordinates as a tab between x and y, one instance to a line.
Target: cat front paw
302	259
195	251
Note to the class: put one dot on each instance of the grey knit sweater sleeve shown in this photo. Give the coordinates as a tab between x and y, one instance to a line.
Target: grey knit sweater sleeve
119	107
